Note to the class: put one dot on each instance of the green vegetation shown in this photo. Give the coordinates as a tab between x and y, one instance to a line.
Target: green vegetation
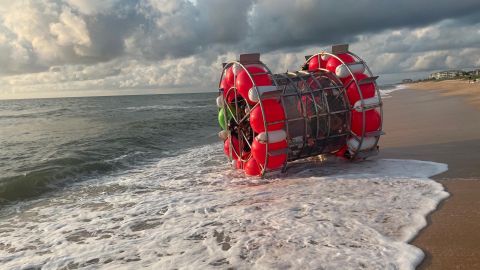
473	75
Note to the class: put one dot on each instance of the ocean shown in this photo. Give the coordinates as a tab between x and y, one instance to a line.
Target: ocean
50	143
141	182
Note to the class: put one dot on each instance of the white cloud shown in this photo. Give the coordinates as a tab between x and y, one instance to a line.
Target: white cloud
191	74
71	30
80	45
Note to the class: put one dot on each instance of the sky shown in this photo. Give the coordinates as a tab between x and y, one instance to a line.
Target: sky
53	48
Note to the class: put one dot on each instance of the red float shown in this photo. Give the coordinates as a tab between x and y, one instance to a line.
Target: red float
273	113
314	64
238	164
274	161
244	83
230	76
333	63
227	91
341	152
372	123
235	150
252	168
368	89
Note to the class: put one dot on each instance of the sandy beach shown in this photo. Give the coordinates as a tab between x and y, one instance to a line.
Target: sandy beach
442	126
452	88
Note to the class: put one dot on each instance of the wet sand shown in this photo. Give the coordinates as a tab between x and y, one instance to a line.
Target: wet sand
426	125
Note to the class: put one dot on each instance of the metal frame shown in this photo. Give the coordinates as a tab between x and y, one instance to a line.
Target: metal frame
243	65
292	79
343	48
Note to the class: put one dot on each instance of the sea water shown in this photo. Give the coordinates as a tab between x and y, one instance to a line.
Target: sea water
140	182
47	143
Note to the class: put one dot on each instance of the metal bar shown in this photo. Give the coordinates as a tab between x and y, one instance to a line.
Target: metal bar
249	110
234	115
246	140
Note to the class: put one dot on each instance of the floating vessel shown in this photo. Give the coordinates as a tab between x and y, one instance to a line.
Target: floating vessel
332	105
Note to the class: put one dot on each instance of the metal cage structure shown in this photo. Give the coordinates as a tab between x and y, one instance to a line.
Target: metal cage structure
317	115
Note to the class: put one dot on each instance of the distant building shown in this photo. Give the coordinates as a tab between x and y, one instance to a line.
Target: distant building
407	81
447	74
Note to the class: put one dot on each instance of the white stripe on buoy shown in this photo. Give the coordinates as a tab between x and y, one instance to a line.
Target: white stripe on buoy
273	136
368	142
252	94
342	71
236	68
220	101
325	57
368	102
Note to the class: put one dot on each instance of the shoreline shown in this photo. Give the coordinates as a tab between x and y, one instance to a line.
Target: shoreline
441	127
447	245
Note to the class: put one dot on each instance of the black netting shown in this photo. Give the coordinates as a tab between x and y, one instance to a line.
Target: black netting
317	113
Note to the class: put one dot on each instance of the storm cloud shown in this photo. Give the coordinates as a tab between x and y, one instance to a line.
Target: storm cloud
277	24
164	44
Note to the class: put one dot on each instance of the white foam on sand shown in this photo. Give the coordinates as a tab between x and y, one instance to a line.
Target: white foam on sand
191	212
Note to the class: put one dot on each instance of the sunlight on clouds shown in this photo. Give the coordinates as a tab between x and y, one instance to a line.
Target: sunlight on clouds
122	74
71	30
79	45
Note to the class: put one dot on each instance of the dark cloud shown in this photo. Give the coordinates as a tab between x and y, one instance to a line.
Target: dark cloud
185	29
108	31
279	24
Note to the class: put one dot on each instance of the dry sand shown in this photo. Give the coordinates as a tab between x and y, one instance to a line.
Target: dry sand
425	125
452	88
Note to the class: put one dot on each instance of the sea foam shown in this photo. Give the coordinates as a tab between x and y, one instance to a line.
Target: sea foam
192	212
385	93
